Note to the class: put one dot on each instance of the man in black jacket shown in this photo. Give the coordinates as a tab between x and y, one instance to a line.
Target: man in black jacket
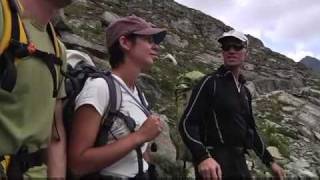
218	125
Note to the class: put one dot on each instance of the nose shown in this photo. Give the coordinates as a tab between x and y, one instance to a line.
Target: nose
155	47
232	50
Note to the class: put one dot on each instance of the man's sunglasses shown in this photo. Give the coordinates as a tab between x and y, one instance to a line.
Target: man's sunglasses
236	47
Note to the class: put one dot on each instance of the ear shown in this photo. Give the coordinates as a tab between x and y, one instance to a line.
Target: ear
125	43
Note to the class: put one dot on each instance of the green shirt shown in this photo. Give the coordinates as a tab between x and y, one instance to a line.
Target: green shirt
26	113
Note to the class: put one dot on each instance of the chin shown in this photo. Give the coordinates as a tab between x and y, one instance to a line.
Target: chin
233	64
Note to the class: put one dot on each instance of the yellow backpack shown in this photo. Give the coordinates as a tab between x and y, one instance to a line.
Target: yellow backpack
15	45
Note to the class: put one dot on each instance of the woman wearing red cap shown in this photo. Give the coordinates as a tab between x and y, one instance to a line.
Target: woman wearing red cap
133	45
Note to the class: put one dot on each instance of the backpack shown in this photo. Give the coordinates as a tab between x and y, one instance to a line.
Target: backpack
15	45
183	90
75	77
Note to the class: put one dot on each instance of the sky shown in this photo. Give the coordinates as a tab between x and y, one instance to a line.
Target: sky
291	27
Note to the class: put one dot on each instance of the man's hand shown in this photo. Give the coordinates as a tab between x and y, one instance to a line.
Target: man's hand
210	169
278	171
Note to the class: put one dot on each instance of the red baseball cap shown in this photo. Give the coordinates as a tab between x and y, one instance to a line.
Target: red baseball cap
133	25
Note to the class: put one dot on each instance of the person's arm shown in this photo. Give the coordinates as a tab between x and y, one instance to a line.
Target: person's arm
189	128
260	148
193	117
84	158
56	151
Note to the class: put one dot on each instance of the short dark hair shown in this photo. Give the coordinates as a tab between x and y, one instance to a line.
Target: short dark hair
116	52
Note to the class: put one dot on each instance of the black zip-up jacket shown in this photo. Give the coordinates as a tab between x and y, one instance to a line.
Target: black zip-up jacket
220	114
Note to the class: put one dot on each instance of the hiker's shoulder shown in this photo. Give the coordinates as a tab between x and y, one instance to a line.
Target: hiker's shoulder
96	83
207	82
94	90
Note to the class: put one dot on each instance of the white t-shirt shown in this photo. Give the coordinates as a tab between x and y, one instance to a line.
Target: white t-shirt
96	93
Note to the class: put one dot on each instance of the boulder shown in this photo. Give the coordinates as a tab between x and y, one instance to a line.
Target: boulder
209	58
108	17
175	40
74	41
150	88
171	58
290	100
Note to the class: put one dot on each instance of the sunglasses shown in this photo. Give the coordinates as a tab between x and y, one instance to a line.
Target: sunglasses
236	47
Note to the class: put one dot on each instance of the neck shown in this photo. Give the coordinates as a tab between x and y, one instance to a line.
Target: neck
128	73
40	10
235	71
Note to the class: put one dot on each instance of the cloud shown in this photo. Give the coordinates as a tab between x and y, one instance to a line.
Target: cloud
282	25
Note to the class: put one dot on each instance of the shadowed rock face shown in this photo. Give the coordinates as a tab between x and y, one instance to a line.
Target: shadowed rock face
286	95
311	63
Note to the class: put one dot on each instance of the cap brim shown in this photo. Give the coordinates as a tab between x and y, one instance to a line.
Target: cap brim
221	39
158	33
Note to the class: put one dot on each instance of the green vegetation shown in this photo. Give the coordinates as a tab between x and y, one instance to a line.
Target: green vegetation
269	111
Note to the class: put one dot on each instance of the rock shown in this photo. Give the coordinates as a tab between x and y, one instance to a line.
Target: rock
306	139
301	163
101	63
171	58
305	131
150	88
183	25
268	85
165	156
308	173
192	39
208	58
315	93
310	115
248	67
254	42
165	147
252	89
288	109
314	100
72	40
60	22
274	151
175	40
251	75
288	99
317	135
108	17
250	164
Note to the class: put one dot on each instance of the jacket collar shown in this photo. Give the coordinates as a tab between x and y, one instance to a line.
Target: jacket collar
223	71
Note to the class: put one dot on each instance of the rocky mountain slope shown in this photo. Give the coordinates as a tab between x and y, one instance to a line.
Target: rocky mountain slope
286	94
312	63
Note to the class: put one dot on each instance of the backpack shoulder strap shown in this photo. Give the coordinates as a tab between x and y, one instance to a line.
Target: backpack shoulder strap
12	28
142	98
115	99
112	111
115	95
54	40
